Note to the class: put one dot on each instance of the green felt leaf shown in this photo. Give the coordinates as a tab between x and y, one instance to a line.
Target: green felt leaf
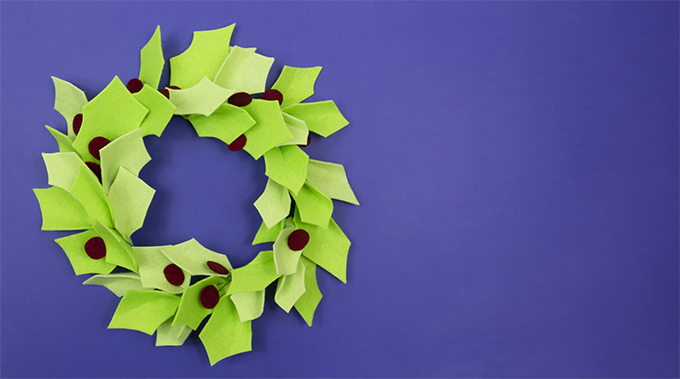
224	334
74	247
287	165
111	114
249	305
244	71
65	144
151	60
144	311
285	259
307	303
290	288
323	118
68	101
119	284
269	130
151	262
274	204
160	109
60	210
204	98
118	251
62	168
127	151
296	84
89	192
203	58
315	207
227	123
297	128
130	198
327	247
255	276
191	312
193	257
331	180
172	335
268	235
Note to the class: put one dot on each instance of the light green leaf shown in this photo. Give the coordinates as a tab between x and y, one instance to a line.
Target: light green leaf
307	303
327	247
269	130
227	123
203	58
60	210
191	312
160	109
203	98
297	128
144	310
287	165
331	180
68	101
62	168
290	288
285	259
111	114
151	60
323	118
119	284
151	262
268	235
193	257
315	207
89	192
249	305
224	334
74	247
65	144
127	151
255	276
118	251
130	198
296	84
274	204
244	71
172	335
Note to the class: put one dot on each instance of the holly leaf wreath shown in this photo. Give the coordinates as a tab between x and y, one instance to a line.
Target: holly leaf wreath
170	290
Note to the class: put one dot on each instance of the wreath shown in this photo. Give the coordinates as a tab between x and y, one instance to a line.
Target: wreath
170	290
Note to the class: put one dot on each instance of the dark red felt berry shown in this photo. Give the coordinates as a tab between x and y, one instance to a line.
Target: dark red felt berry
96	144
96	169
240	99
173	87
298	240
272	94
135	85
173	274
165	92
209	297
238	144
217	268
77	123
95	248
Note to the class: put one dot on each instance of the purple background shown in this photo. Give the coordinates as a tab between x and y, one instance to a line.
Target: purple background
517	165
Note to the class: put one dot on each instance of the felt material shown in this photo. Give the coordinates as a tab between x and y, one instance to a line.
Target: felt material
118	251
96	144
224	334
127	151
160	110
239	143
193	257
298	129
171	335
331	180
153	265
217	268
60	210
190	311
272	95
95	248
308	302
296	84
226	123
323	118
287	165
77	123
285	259
64	143
74	247
240	99
209	297
298	240
244	70
68	101
130	198
152	61
134	85
274	204
255	276
290	287
119	283
269	130
315	207
144	310
327	247
89	192
203	98
249	305
265	234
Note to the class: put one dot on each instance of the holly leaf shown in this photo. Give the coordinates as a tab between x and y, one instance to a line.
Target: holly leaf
151	60
143	310
287	165
296	84
68	101
224	334
307	303
323	118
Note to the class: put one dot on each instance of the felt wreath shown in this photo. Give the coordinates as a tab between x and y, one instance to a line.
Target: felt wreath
96	189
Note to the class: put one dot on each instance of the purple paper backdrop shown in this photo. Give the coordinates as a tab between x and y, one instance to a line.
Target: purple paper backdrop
517	165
